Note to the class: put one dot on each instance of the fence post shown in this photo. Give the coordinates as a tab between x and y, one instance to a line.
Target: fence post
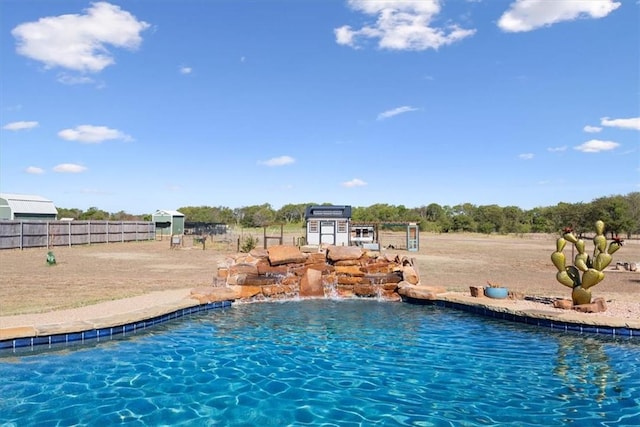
21	235
70	233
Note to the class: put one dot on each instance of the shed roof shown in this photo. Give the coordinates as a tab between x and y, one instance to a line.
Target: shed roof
26	203
168	212
328	211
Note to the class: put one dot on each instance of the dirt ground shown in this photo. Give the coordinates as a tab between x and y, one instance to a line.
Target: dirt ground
88	274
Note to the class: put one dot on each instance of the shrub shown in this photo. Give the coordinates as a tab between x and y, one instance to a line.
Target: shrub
248	243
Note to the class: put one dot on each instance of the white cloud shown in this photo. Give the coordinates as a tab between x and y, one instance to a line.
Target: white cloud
34	170
528	15
394	112
557	149
20	125
630	123
596	145
71	80
355	182
278	161
401	25
592	129
526	156
69	168
345	35
186	70
80	42
92	134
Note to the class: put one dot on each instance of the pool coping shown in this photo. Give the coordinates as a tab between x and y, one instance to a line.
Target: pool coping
106	320
46	338
134	315
555	319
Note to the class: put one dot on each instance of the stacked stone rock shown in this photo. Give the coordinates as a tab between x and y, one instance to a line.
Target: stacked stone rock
286	272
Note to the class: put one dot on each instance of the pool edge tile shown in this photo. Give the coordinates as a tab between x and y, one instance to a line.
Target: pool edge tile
94	335
556	325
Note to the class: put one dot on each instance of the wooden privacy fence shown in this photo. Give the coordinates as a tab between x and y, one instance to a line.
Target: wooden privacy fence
37	234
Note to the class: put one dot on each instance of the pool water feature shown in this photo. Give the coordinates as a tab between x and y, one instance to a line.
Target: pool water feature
327	362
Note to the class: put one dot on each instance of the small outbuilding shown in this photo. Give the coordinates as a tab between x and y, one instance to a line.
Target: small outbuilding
328	225
364	235
26	207
168	223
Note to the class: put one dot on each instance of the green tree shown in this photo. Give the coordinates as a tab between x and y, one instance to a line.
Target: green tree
362	214
463	222
434	212
264	216
633	199
225	215
94	214
514	220
69	213
238	215
204	214
462	217
541	220
614	212
445	224
488	218
122	216
257	215
291	213
426	217
385	212
571	215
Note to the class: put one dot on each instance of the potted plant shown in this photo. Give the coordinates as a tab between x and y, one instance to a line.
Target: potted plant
496	291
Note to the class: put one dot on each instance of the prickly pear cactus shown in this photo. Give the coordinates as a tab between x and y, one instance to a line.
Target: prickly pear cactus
586	270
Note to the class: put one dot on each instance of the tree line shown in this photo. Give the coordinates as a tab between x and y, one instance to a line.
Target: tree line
620	213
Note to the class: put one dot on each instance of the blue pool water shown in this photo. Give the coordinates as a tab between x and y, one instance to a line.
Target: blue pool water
329	363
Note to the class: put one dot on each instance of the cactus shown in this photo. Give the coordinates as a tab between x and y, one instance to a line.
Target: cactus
586	271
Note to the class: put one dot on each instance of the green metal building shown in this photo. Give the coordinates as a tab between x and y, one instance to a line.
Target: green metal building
26	207
168	223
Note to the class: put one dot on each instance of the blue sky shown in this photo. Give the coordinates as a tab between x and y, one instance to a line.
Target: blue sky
146	105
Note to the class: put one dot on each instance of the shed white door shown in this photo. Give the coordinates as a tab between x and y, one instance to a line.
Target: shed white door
328	232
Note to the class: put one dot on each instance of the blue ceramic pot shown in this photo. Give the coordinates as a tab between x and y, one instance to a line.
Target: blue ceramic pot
497	293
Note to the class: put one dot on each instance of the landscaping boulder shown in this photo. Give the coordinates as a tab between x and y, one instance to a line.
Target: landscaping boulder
284	254
341	253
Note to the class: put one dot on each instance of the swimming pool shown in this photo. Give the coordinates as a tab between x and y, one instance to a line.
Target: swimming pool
326	362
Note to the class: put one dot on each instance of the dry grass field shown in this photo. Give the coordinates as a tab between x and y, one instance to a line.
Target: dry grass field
89	274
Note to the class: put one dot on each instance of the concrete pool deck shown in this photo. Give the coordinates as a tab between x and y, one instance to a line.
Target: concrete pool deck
98	316
542	315
110	314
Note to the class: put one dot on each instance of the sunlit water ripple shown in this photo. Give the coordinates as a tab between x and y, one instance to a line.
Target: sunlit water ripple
330	363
